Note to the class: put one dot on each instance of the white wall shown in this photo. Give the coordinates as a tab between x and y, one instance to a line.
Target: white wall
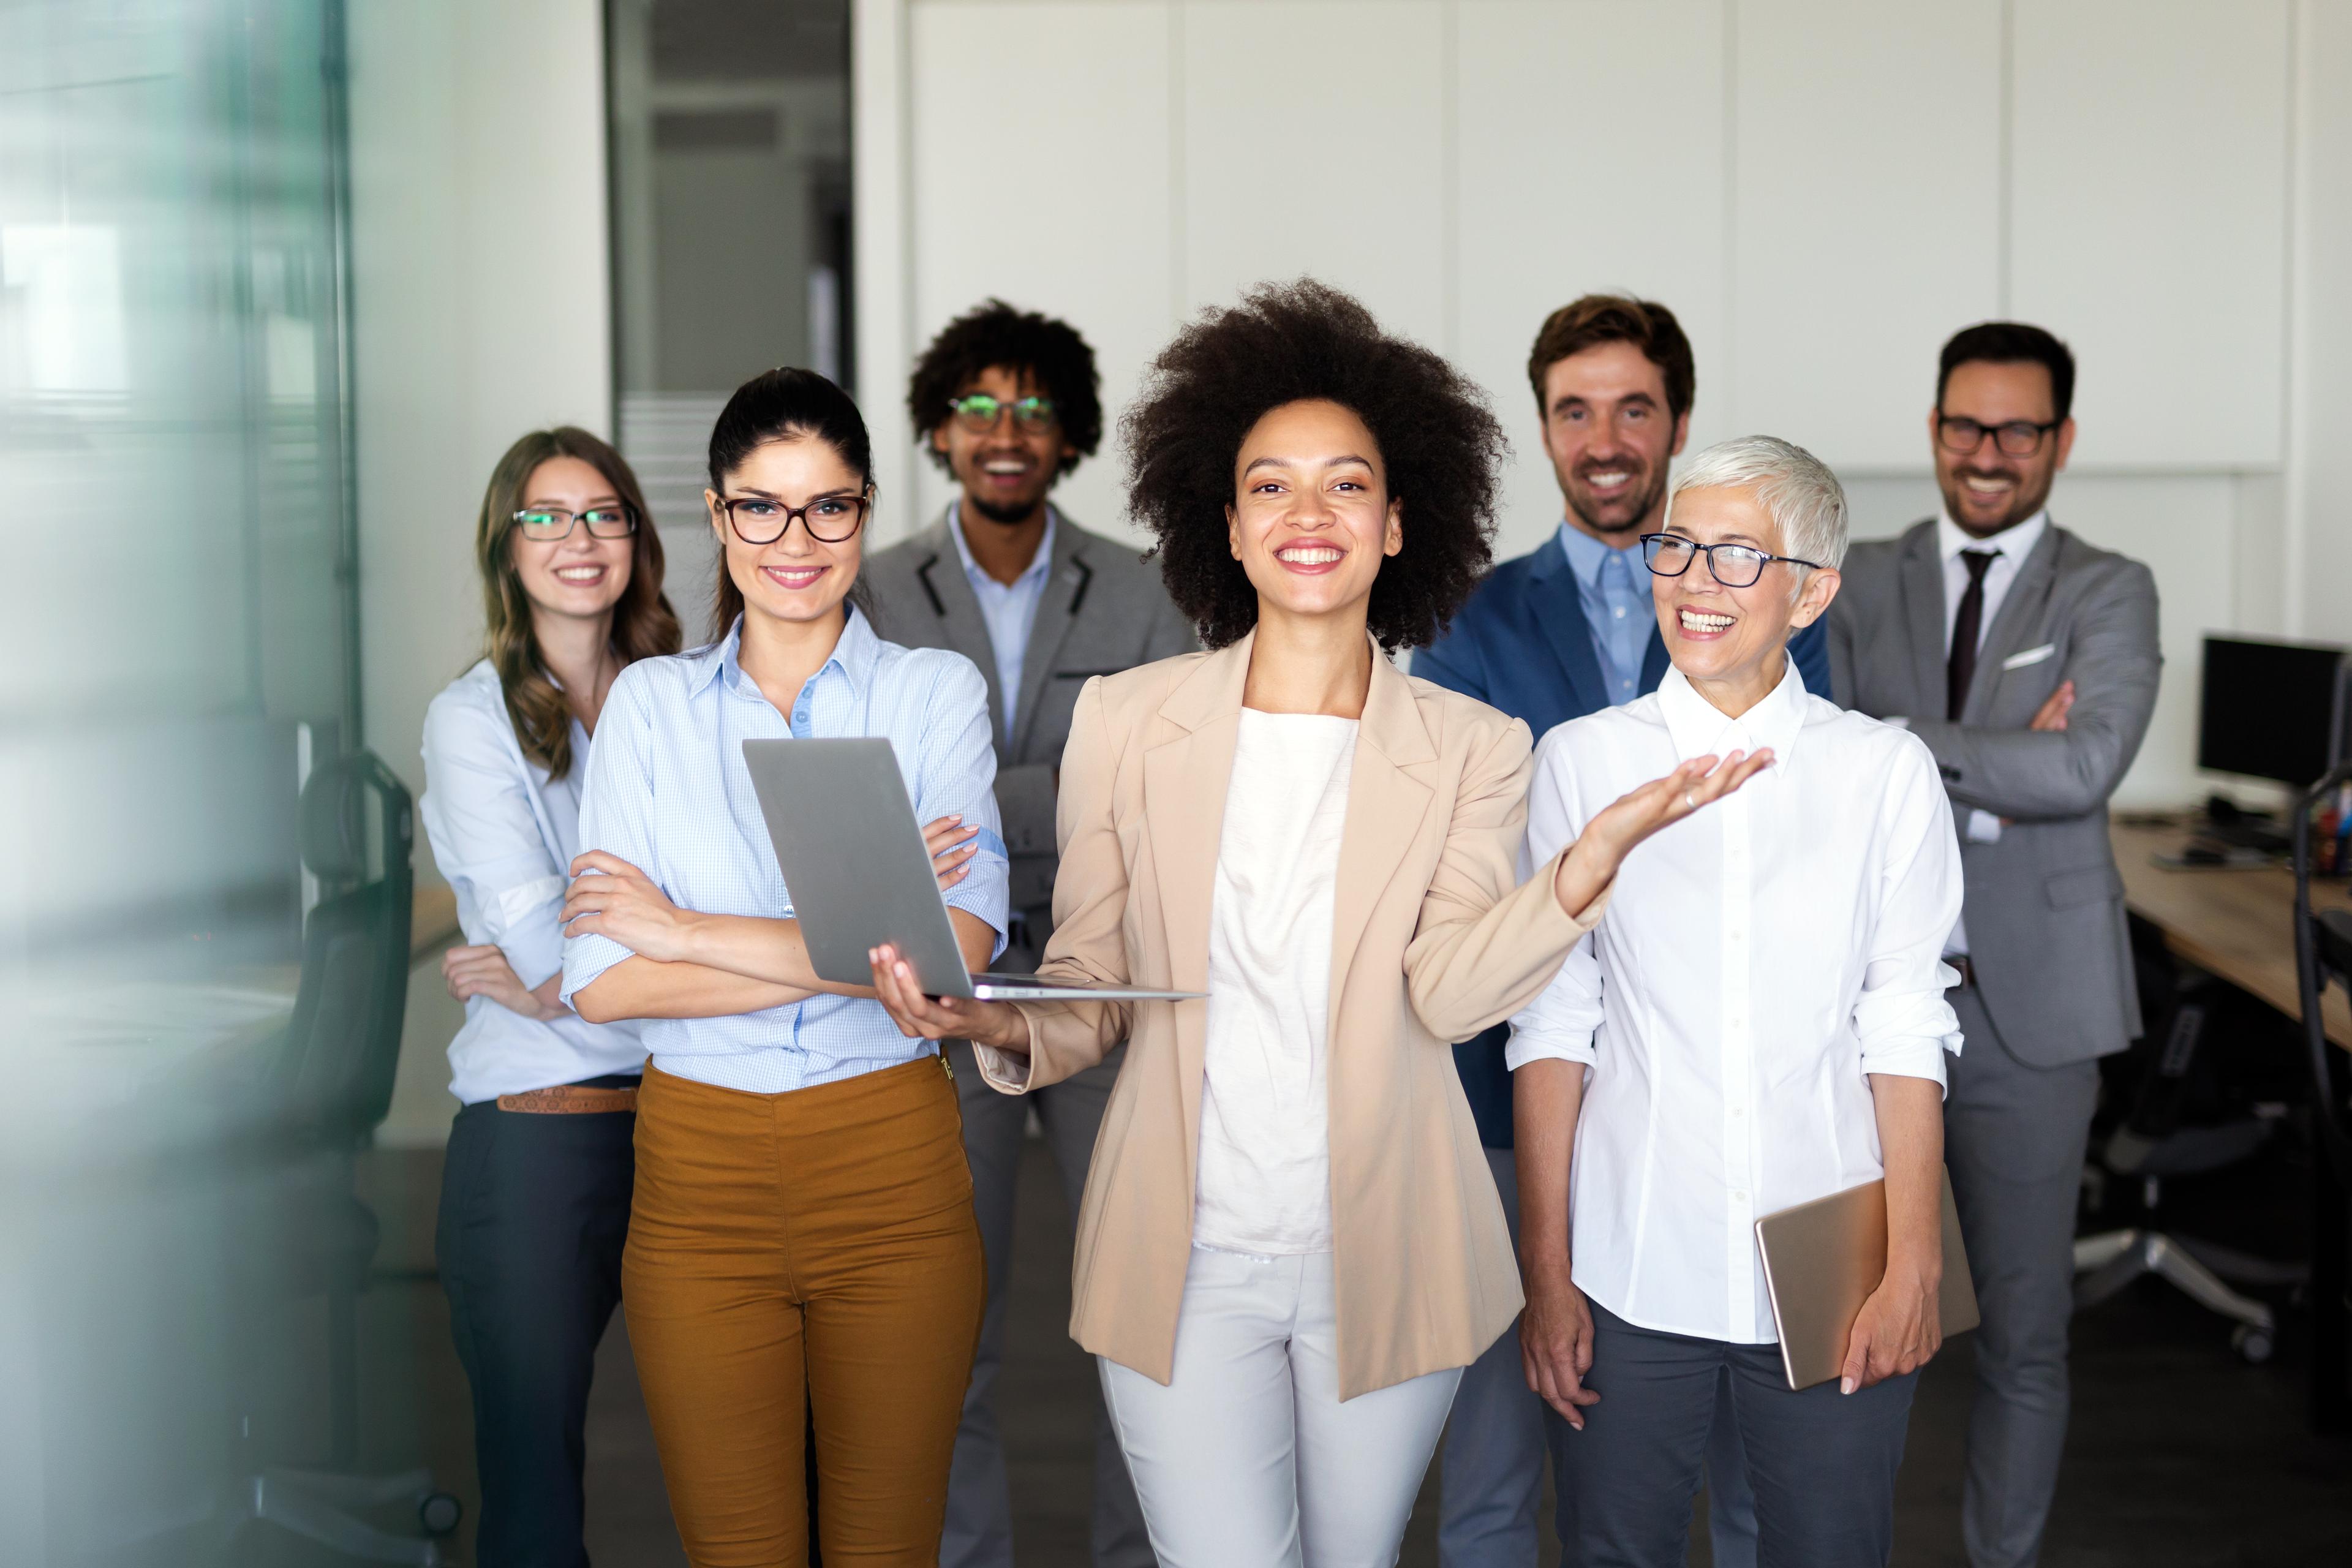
480	306
1825	190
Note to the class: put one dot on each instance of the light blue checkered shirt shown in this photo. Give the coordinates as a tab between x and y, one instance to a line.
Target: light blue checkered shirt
1613	587
667	791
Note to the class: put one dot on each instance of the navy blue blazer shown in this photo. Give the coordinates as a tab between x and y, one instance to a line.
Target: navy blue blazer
1522	645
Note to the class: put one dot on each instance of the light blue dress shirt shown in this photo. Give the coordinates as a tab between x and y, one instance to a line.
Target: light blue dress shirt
668	791
1613	586
504	834
1009	609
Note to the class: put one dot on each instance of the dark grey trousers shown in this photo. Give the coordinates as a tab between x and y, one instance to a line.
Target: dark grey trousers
2014	1138
534	1212
979	1532
1822	1464
1493	1470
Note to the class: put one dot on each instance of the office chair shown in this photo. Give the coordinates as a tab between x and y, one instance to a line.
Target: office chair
2159	1138
328	1086
2323	953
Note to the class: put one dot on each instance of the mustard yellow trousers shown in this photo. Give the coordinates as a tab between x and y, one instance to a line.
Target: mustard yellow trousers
813	1250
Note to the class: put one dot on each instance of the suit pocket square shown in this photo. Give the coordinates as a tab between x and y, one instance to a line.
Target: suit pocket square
2030	655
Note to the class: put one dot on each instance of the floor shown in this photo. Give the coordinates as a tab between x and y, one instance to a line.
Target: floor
2179	1454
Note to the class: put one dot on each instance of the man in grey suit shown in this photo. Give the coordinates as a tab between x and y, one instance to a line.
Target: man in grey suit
1006	402
2027	660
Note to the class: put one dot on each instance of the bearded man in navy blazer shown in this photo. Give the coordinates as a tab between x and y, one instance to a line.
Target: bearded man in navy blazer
1552	636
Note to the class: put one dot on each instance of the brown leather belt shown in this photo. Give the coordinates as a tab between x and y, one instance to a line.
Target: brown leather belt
1959	961
570	1100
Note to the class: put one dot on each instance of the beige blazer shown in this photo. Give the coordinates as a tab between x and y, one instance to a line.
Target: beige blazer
1431	944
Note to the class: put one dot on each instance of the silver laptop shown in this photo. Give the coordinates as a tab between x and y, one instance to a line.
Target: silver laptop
854	862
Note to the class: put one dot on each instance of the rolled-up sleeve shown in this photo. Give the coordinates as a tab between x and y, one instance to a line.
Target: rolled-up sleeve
486	836
1901	1020
615	798
958	774
1561	1023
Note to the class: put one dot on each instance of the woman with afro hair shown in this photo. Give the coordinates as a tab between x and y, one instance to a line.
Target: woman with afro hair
1291	1244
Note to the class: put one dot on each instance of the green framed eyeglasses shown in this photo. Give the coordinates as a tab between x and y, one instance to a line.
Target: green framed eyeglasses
549	524
978	412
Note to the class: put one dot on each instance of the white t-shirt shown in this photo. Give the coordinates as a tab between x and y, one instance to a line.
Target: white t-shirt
1266	1152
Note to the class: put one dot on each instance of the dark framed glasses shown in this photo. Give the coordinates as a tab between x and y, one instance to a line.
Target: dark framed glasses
1733	565
549	524
979	411
2019	437
763	519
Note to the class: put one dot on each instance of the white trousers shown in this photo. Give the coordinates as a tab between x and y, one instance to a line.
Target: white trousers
1247	1458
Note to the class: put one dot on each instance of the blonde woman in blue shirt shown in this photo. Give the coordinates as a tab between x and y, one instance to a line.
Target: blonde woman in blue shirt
803	1241
535	1187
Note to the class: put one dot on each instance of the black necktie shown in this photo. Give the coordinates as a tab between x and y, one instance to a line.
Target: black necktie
1960	668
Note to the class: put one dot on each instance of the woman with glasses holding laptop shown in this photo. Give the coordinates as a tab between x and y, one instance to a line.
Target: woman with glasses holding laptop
1291	1244
535	1186
803	1241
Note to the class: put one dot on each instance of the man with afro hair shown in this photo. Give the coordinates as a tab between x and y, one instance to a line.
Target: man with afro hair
1006	402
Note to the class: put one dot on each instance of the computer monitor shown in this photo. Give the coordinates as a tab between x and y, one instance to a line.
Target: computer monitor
2271	709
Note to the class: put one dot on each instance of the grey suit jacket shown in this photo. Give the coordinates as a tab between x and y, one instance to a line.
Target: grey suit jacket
1103	611
2044	906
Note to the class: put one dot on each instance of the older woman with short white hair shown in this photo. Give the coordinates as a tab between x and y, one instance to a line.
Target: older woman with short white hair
1757	1020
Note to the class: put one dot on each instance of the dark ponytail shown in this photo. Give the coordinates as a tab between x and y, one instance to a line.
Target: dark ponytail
781	406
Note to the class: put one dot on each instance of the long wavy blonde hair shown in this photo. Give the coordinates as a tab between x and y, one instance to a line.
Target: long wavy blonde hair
643	625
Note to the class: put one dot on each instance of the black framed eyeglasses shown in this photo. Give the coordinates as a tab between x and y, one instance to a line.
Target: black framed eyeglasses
978	412
763	519
2018	437
1733	565
551	524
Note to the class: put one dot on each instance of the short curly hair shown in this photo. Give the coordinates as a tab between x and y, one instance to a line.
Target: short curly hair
1291	342
994	334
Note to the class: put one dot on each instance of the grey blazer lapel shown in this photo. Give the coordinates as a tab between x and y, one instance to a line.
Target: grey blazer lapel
2020	613
940	572
1067	583
1921	586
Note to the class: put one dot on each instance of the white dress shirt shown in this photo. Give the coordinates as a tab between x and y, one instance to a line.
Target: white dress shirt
504	834
1759	961
1263	1185
2009	548
1009	610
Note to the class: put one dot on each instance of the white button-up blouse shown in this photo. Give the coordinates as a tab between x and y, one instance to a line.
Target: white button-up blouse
1758	961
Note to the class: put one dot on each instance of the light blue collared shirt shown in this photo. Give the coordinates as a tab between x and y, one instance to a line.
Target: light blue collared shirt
1009	609
668	791
1613	586
504	834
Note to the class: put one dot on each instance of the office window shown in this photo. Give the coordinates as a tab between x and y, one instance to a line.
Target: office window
730	230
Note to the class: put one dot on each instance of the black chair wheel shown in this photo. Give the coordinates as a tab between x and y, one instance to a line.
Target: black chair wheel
2253	1345
439	1512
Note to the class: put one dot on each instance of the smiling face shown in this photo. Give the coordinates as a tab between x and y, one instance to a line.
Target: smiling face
1006	469
1611	437
1988	489
796	577
581	575
1732	638
1311	516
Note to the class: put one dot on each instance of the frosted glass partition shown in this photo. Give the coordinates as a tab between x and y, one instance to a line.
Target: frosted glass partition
176	648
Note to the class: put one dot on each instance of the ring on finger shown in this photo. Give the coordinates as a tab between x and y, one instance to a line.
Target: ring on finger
1690	801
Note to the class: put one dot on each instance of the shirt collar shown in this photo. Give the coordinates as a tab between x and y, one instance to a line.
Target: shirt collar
1038	567
1698	727
1586	555
854	655
2016	541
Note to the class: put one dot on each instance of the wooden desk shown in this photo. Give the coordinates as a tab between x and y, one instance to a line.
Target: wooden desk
2235	924
432	921
2239	926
